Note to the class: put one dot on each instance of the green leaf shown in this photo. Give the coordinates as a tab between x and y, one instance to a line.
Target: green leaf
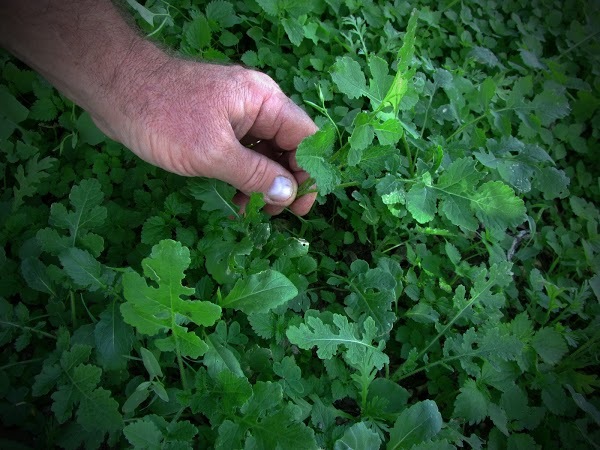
550	345
78	391
358	437
154	230
30	178
294	30
143	434
87	214
403	76
223	13
113	338
219	357
349	78
144	12
389	132
197	33
85	270
89	133
380	81
150	363
313	156
154	309
373	294
11	108
552	183
216	195
271	7
43	109
329	338
551	104
496	205
36	275
421	202
471	404
260	293
485	56
221	396
415	425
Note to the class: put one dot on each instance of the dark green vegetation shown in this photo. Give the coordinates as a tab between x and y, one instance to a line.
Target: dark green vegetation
444	291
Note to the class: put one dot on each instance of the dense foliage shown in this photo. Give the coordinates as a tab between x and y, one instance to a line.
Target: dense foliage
444	292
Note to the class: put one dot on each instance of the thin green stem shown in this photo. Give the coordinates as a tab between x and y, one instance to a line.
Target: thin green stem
73	310
427	112
574	46
20	363
408	154
26	328
447	327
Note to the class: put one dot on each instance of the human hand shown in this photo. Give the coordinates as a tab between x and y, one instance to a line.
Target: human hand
196	119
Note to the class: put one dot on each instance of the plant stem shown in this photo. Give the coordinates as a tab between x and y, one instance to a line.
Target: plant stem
19	363
408	154
25	327
445	329
73	312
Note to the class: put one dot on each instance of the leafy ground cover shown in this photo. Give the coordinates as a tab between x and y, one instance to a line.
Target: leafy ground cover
443	293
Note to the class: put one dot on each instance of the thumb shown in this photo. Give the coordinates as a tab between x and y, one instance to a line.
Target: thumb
249	171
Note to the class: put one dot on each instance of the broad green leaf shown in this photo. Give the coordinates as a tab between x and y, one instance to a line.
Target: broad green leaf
421	202
36	275
552	183
113	338
259	293
271	7
380	80
550	345
471	404
329	338
219	357
154	309
551	104
220	396
394	395
85	270
216	195
78	392
197	33
485	56
143	434
358	437
349	78
373	294
294	30
496	205
30	178
223	13
10	107
89	133
313	156
415	425
388	132
87	214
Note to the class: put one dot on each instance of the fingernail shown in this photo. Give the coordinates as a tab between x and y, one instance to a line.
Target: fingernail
281	189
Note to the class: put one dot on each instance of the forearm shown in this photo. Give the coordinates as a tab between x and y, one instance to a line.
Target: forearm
83	47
